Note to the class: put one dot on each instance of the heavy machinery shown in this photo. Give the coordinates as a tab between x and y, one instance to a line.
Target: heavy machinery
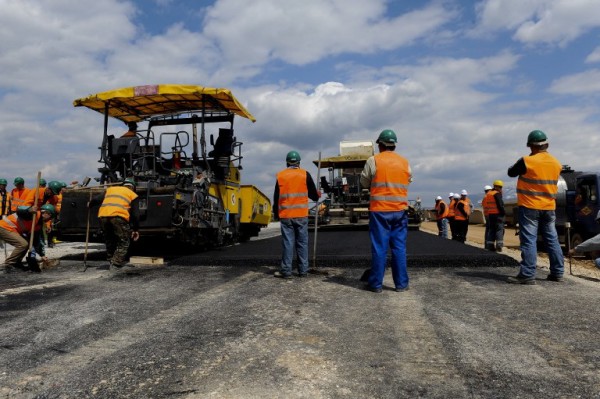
347	203
188	193
577	204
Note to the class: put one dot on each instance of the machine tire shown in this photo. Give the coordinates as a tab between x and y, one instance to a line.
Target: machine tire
576	239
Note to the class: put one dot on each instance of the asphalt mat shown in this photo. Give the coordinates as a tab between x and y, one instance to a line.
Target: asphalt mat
352	248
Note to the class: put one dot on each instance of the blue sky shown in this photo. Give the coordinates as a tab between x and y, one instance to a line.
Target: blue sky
461	82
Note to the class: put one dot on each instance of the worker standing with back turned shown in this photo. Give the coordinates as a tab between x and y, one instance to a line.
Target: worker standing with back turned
387	175
537	187
293	187
493	209
441	216
119	218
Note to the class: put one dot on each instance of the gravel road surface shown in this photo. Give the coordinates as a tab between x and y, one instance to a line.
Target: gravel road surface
210	325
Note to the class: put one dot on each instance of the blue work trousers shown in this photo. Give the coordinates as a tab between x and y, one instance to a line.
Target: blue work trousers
532	221
442	225
294	236
388	230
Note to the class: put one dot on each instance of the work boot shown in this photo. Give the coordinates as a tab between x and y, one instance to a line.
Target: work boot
278	274
555	278
521	280
373	289
9	269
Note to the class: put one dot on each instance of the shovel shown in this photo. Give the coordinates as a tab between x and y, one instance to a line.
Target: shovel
31	259
315	269
87	235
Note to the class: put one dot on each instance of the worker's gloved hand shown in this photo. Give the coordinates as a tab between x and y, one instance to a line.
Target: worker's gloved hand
135	235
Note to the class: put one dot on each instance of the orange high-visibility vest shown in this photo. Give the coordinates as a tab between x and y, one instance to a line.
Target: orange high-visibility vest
293	193
489	203
30	198
5	202
537	188
452	207
117	202
18	198
437	211
389	187
15	224
466	207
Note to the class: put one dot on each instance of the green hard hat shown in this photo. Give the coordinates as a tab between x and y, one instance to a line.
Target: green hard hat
537	137
55	186
292	157
387	138
3	181
19	180
63	184
42	182
49	208
129	182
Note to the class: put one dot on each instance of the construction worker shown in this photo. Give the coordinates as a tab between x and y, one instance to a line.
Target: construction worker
52	240
486	189
462	212
387	175
15	229
451	208
293	187
441	216
132	132
119	219
537	187
493	209
4	198
43	182
18	194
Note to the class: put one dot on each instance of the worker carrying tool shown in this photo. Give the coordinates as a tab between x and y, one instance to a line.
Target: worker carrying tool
120	220
16	228
493	210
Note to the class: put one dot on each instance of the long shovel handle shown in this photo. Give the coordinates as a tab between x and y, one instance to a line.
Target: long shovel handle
87	234
35	203
317	213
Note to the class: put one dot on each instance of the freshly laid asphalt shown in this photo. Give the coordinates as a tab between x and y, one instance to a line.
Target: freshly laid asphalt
219	325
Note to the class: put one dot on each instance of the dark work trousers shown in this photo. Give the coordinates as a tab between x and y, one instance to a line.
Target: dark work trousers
117	233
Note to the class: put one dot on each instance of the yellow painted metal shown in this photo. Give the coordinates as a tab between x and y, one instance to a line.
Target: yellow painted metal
137	103
256	207
343	161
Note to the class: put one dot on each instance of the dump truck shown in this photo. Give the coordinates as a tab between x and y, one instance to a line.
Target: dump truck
577	204
188	192
347	203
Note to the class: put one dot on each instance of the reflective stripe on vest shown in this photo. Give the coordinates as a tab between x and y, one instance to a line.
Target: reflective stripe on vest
117	202
537	188
490	207
15	224
437	210
18	198
389	187
293	193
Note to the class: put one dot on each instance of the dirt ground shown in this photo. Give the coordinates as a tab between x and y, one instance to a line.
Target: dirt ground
578	266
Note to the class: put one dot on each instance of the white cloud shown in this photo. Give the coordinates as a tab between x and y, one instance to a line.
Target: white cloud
587	82
556	22
594	56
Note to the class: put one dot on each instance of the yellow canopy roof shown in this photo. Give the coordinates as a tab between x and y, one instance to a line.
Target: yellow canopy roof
343	161
134	104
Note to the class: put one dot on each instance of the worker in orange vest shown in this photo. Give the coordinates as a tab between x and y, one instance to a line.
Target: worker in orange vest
4	198
493	210
441	216
537	188
452	201
132	132
461	216
293	188
119	219
15	228
387	175
18	194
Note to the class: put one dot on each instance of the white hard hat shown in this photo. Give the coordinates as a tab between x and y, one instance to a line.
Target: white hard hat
487	188
438	198
451	195
464	192
457	196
